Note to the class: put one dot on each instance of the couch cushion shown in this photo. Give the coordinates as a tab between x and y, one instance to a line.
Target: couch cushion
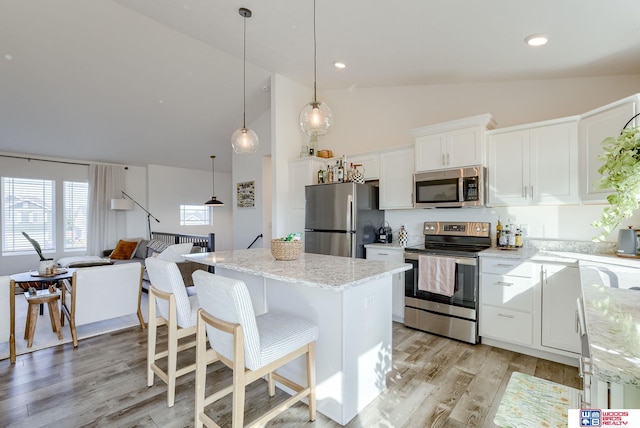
125	250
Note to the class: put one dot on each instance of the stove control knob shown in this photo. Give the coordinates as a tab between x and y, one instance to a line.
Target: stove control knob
484	229
478	229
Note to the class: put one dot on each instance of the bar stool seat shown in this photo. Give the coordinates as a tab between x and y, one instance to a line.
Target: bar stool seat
42	297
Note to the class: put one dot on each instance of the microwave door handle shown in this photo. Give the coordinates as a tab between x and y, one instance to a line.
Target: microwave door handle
460	189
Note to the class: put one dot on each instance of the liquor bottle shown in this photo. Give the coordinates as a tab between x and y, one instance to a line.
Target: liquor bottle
340	172
504	236
498	233
320	176
335	172
518	238
329	174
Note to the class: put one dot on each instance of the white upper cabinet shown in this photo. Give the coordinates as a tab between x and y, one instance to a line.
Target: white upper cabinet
396	178
595	126
370	163
453	144
534	164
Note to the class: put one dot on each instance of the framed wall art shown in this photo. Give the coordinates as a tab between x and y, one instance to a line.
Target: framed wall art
246	192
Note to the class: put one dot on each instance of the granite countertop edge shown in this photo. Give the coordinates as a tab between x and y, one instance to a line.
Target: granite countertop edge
313	270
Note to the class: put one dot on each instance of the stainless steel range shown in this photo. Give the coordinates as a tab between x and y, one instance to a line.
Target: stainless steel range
441	291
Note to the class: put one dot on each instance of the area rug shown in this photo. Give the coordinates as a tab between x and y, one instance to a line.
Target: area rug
44	336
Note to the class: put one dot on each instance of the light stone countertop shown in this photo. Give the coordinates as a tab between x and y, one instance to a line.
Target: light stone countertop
612	313
313	270
612	317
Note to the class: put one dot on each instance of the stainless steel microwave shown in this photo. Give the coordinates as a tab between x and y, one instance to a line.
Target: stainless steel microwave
449	188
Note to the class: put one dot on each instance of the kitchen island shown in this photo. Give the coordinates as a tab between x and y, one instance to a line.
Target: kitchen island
349	299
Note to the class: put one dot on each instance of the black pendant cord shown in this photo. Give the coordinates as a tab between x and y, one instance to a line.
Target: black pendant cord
244	74
315	53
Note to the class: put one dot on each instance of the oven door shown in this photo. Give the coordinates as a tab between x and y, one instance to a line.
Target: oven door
466	283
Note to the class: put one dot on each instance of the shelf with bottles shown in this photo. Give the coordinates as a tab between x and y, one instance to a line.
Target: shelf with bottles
508	237
340	172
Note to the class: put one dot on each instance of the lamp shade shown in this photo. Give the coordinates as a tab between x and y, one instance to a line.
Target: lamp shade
316	118
121	204
245	141
214	202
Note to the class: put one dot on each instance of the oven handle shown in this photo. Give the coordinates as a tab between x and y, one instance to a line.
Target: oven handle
469	261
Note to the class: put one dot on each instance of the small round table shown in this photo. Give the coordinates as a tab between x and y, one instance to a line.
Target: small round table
22	278
35	300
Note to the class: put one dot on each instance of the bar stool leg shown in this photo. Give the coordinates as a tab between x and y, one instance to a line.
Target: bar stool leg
55	318
33	319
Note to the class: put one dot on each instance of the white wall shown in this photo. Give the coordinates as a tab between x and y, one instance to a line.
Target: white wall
248	222
375	118
287	99
171	187
368	119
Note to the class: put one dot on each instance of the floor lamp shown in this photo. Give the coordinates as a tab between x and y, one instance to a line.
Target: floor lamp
125	205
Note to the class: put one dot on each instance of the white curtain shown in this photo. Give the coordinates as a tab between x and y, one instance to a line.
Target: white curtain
105	182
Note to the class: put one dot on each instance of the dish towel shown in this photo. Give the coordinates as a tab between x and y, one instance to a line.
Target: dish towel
437	274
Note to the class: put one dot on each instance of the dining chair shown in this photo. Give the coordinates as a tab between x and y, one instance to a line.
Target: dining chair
170	305
252	346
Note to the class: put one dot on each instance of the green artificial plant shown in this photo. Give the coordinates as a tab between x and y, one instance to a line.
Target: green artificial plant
35	244
620	172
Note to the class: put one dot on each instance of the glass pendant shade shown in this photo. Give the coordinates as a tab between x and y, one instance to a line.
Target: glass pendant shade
316	118
245	141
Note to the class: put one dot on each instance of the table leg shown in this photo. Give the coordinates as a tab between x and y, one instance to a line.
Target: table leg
12	310
27	323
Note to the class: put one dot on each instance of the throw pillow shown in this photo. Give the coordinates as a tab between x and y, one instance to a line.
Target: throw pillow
157	246
142	250
173	253
138	240
124	250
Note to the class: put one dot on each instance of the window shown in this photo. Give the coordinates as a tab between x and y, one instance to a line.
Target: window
75	215
27	206
191	215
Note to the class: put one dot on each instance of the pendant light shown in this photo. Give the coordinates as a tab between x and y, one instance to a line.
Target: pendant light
213	202
244	140
316	117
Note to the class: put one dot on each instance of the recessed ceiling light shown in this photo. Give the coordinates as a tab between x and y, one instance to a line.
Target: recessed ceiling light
536	40
8	57
340	65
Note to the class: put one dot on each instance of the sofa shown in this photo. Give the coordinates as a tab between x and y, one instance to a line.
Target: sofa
144	248
159	243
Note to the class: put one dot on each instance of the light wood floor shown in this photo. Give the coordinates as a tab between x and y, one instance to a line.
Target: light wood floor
435	382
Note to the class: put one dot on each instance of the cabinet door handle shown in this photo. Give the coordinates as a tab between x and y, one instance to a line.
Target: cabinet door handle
383	254
504	265
504	284
505	315
524	191
444	162
532	192
448	161
577	322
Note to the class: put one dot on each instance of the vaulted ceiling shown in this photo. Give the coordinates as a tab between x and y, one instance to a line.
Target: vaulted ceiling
160	81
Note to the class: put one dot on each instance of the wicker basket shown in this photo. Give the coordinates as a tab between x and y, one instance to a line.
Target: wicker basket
286	250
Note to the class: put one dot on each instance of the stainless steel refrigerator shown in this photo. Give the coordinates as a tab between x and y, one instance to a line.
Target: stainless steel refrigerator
340	218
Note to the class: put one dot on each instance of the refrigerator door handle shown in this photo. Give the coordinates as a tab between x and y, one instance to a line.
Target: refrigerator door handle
350	212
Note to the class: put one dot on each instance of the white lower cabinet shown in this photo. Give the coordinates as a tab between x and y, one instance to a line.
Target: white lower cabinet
506	300
391	254
560	289
531	305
